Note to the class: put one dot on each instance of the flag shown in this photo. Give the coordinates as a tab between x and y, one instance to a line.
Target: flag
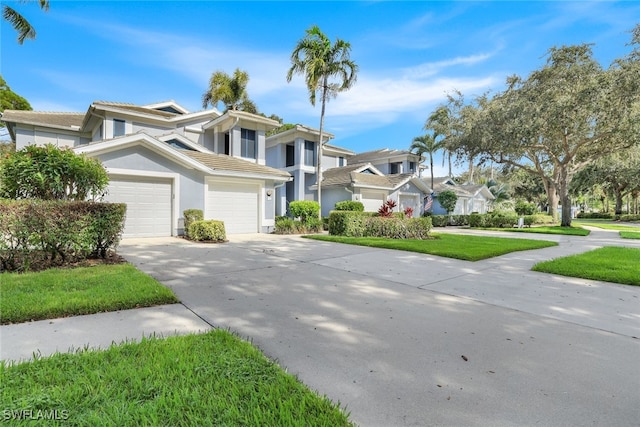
428	202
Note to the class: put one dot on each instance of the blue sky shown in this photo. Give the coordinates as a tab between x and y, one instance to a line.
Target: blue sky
410	54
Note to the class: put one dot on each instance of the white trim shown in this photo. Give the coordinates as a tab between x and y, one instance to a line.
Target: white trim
175	189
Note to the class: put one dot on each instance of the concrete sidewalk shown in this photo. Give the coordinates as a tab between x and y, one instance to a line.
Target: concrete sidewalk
384	332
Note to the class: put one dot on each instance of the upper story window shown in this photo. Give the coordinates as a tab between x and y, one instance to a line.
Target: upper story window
118	127
248	143
412	166
291	155
309	153
395	168
341	161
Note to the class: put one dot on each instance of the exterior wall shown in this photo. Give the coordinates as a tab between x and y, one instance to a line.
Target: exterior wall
330	196
142	159
35	136
153	130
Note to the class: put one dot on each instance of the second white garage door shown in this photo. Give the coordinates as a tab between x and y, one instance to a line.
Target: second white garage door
373	200
234	203
148	204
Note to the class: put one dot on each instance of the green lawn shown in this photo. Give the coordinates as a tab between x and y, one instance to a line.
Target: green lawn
609	264
69	292
194	380
555	229
605	225
630	234
465	247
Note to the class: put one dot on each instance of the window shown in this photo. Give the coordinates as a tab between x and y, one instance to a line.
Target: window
118	127
226	144
395	168
291	155
340	161
412	166
248	143
309	153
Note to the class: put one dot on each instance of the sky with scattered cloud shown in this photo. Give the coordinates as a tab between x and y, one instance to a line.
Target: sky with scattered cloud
410	54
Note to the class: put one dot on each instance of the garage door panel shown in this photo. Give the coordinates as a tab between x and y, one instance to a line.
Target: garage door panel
372	200
149	204
234	203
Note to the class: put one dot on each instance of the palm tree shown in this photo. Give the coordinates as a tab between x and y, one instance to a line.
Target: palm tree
230	90
329	70
19	23
427	144
439	122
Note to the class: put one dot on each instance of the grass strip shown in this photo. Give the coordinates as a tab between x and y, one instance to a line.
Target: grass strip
608	264
557	229
464	247
604	225
193	380
68	292
630	234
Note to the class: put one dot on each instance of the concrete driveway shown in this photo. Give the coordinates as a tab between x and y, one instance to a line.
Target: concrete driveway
407	339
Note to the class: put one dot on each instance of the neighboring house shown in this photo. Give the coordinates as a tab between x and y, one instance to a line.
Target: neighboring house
390	162
162	160
295	151
366	184
471	197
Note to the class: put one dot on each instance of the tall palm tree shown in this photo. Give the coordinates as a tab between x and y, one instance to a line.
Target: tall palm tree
439	122
230	90
329	70
427	144
19	22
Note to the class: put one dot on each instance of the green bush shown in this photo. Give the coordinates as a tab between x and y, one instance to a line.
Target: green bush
459	220
313	225
286	225
304	209
541	218
501	219
51	173
350	205
628	218
44	233
439	220
348	223
207	230
447	200
477	220
523	207
595	215
529	220
190	216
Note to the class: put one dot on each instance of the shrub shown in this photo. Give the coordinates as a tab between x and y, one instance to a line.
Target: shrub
408	212
595	215
348	223
386	210
397	228
51	173
190	216
501	219
350	205
439	220
459	220
313	225
447	200
524	208
304	209
44	233
286	225
477	220
529	220
629	218
207	230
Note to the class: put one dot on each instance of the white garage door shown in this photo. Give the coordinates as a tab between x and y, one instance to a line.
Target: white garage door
373	200
410	201
148	204
234	203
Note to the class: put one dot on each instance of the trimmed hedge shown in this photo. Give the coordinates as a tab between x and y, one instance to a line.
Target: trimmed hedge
594	215
190	216
350	205
304	209
207	230
628	217
286	225
367	224
45	233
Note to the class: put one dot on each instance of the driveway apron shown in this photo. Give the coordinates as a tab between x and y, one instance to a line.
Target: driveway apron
408	339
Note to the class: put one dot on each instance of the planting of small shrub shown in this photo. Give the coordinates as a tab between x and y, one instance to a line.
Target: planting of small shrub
477	220
348	223
304	209
459	220
628	217
595	215
501	219
439	220
349	205
524	208
207	230
286	225
367	224
190	216
37	234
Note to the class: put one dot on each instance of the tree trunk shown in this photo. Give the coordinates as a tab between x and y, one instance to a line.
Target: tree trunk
565	199
618	209
552	197
321	136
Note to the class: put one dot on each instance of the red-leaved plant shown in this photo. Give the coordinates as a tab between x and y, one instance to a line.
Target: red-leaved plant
408	212
386	210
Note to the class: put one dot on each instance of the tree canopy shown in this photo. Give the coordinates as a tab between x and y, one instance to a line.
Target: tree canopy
19	23
230	90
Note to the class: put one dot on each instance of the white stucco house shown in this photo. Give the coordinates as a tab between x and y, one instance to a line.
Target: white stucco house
471	197
295	151
163	159
366	184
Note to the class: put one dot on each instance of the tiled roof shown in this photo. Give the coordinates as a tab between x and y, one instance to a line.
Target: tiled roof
338	176
377	155
348	175
58	119
228	163
136	109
